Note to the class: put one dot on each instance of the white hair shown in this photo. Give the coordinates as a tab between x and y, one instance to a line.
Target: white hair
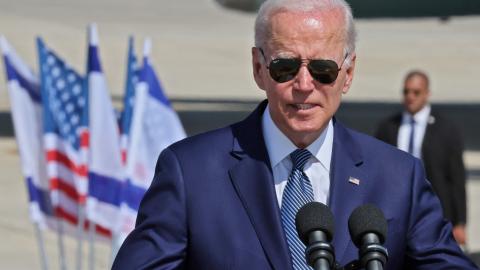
271	7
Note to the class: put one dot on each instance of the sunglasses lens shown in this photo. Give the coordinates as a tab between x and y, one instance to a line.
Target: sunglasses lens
414	92
324	71
283	70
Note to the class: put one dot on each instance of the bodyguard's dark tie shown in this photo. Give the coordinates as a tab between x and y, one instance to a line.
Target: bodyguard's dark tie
297	193
412	136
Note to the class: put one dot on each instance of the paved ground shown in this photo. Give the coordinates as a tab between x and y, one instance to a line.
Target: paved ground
201	50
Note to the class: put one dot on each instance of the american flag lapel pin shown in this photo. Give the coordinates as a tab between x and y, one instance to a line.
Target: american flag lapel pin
354	181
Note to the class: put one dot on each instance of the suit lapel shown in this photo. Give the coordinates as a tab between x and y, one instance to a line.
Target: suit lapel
429	133
346	193
253	182
396	122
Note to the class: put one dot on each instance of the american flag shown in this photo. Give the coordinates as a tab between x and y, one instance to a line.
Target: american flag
64	99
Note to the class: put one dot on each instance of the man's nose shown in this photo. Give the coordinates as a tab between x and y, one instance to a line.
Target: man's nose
304	80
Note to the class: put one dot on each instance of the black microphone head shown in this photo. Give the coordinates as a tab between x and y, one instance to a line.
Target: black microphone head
367	219
314	216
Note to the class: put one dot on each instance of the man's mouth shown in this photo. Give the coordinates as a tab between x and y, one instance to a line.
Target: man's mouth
303	106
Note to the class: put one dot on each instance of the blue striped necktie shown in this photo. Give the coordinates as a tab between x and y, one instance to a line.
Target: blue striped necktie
297	193
412	136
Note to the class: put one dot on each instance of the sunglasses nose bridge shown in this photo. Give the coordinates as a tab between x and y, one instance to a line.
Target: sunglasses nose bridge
304	61
304	79
303	69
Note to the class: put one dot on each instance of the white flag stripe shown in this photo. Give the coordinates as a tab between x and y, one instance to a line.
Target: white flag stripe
159	127
127	222
25	114
92	35
36	214
137	172
105	138
104	214
17	62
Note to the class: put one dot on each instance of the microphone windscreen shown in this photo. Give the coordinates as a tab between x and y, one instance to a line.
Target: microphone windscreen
314	216
367	219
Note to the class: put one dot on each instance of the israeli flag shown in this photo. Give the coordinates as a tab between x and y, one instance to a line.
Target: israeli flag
155	125
26	108
131	80
106	171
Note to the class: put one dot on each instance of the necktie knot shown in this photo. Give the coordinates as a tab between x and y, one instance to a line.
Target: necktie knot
299	158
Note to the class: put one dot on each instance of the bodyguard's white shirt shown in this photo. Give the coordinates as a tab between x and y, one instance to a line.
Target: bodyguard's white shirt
317	167
421	121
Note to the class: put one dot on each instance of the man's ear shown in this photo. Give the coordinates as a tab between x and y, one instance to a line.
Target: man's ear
257	68
349	73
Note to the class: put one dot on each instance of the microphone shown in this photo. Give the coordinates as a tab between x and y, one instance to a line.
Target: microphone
368	230
315	227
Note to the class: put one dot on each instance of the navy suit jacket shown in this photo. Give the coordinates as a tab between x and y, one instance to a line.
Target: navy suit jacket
212	205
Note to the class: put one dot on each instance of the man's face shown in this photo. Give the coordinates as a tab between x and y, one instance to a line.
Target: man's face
415	94
302	107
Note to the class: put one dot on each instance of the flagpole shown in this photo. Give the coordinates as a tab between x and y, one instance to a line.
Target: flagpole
115	247
41	246
80	231
92	37
61	245
91	240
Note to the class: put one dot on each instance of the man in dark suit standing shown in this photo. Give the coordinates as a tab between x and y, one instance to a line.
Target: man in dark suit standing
227	199
422	132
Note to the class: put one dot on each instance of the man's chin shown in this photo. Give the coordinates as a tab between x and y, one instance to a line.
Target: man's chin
310	124
306	130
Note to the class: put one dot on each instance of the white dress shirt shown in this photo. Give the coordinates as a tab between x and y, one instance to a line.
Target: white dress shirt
317	167
421	121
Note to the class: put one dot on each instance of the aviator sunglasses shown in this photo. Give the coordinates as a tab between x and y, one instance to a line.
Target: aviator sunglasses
285	69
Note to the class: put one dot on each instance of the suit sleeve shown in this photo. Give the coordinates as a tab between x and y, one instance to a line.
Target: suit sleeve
456	176
160	236
430	243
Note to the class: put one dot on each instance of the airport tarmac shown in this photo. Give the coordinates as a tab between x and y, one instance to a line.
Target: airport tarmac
201	50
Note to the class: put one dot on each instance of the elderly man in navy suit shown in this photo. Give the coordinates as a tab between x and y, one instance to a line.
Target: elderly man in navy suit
226	199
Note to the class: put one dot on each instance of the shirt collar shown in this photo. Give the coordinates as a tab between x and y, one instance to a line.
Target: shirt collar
279	146
421	117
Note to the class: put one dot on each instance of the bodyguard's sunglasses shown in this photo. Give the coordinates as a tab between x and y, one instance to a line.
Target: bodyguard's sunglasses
285	69
415	92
